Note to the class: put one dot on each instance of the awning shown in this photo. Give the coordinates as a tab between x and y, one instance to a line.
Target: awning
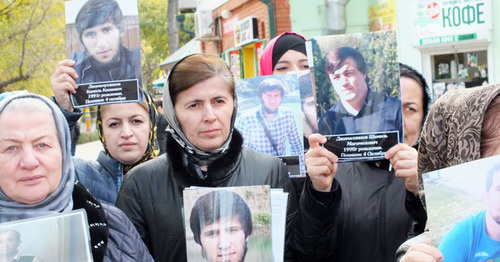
191	47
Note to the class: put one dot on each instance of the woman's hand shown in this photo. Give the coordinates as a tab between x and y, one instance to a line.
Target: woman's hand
62	82
321	164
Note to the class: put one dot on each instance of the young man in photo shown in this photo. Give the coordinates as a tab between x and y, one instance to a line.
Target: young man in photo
360	109
100	25
221	223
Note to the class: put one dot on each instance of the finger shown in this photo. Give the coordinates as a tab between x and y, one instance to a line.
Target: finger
316	139
426	251
396	149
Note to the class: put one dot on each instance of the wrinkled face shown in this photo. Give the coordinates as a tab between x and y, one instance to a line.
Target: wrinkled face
102	42
493	198
126	131
412	99
30	156
350	83
8	244
204	113
291	61
223	240
271	99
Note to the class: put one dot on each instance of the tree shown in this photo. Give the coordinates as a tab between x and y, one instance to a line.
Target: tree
31	43
154	38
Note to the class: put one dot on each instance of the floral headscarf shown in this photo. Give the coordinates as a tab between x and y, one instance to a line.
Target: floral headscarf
452	131
152	150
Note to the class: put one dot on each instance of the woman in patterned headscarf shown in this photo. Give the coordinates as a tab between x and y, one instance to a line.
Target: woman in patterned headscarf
127	132
128	135
461	127
37	178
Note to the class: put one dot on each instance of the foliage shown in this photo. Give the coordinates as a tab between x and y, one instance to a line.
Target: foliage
263	219
86	137
31	43
154	37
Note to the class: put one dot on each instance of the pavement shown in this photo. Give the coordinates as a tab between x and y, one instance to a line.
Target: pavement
88	151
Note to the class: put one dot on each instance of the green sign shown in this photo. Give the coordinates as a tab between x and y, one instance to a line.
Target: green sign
447	39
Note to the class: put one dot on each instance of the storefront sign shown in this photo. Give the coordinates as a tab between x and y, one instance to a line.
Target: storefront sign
246	31
446	21
382	15
447	39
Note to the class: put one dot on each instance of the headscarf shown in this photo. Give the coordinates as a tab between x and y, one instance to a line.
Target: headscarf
452	131
201	157
152	150
61	199
411	73
279	46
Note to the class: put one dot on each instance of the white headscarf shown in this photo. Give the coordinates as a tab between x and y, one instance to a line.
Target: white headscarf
61	199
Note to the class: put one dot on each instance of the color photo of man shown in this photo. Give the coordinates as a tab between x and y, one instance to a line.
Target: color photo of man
100	26
361	110
221	223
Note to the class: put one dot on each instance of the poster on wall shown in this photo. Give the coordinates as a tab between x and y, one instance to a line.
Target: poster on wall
382	15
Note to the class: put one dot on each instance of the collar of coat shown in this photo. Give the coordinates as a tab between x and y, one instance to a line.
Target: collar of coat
218	171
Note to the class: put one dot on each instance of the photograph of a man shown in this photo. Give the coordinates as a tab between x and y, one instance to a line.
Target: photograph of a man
10	240
221	223
360	109
269	126
477	237
100	25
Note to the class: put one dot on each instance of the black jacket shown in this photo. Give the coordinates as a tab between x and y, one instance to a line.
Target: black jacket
129	67
367	219
151	194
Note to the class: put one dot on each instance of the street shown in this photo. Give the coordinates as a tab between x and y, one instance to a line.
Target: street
89	151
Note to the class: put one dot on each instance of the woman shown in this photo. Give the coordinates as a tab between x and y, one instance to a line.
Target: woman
203	149
382	196
462	126
284	53
127	132
37	178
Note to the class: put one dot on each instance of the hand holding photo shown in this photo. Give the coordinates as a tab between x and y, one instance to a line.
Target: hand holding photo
103	39
356	78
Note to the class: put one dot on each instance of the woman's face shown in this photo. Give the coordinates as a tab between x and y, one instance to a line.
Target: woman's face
30	156
291	61
204	113
412	99
126	131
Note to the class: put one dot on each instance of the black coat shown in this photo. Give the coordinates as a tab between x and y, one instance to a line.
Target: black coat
151	194
368	218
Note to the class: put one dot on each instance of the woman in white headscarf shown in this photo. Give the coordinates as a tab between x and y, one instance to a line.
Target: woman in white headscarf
37	178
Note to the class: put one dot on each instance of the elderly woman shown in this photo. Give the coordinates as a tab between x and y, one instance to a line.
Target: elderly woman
203	149
462	126
37	178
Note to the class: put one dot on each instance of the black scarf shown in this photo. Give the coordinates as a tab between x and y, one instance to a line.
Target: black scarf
96	216
219	171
